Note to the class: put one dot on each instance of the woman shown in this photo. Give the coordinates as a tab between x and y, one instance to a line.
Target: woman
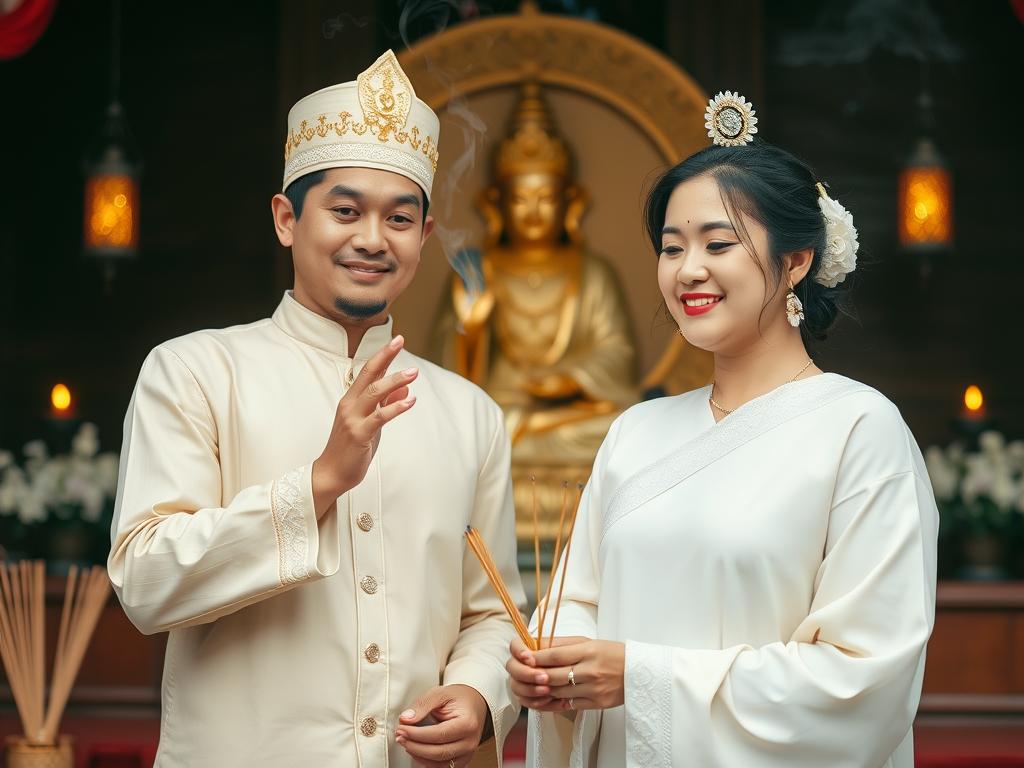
757	557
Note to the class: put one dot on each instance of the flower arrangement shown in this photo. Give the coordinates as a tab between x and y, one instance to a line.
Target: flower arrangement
980	495
58	507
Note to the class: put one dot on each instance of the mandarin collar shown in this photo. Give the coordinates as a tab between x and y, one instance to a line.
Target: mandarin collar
307	326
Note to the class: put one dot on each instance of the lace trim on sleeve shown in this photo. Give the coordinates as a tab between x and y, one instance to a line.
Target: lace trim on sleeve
648	705
290	527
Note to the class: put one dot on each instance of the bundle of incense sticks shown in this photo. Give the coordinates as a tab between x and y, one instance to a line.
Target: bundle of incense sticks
494	576
23	636
478	546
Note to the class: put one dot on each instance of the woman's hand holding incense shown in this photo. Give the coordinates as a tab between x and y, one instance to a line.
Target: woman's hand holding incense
540	679
371	402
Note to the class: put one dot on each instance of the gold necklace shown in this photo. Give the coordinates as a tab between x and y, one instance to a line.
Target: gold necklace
727	411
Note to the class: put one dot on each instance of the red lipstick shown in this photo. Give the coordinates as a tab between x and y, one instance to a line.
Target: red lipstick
702	309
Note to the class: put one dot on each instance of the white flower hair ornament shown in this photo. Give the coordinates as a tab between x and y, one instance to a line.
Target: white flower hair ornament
840	256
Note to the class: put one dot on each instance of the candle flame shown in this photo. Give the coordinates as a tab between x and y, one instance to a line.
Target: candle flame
973	398
60	396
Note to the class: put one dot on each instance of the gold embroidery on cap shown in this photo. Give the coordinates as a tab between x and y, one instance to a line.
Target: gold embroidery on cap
384	106
385	98
345	123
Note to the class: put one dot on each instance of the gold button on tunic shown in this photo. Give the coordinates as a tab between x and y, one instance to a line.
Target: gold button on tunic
365	522
372	653
368	726
369	584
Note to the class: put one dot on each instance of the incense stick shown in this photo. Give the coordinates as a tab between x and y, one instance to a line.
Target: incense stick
39	633
9	649
536	555
493	574
65	616
23	641
92	590
543	612
495	577
479	548
565	563
18	623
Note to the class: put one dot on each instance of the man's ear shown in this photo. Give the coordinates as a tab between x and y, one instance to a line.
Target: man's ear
284	219
428	227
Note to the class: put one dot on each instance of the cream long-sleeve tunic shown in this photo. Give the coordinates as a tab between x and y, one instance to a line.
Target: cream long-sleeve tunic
772	577
293	641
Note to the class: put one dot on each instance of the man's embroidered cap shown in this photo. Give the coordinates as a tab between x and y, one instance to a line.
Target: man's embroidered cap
374	122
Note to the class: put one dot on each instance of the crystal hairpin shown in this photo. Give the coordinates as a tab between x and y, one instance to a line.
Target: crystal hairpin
730	120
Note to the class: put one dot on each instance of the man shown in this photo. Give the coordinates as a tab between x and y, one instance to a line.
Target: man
294	492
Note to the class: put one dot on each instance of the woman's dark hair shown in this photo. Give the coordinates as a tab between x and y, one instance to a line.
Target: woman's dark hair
775	189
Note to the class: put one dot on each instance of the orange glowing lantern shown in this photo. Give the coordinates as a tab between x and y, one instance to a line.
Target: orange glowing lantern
111	206
111	217
112	168
925	200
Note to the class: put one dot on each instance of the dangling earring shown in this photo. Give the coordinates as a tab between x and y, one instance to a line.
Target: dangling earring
794	308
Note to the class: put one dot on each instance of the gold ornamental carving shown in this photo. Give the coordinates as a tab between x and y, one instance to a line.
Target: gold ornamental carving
611	66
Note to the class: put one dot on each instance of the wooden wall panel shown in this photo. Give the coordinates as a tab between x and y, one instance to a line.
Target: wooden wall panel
975	658
969	652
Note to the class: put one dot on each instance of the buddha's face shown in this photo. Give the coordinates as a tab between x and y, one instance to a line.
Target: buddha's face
533	205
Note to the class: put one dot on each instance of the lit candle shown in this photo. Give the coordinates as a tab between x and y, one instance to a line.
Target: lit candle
61	402
974	404
972	419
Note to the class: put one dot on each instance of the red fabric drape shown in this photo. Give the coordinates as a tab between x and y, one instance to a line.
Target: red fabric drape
20	28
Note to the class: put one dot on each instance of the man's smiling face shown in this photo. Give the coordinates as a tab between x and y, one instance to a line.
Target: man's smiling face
356	243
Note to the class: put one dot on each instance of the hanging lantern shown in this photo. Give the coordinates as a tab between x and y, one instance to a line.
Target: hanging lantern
925	200
112	193
112	171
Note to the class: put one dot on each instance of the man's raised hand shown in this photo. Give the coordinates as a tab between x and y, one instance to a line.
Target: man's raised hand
372	401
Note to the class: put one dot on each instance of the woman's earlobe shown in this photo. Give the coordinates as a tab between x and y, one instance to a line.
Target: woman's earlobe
799	265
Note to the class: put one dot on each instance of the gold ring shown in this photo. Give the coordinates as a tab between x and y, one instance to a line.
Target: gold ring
571	705
451	763
572	677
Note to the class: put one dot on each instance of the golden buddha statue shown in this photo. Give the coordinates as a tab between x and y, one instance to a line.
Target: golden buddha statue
538	321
